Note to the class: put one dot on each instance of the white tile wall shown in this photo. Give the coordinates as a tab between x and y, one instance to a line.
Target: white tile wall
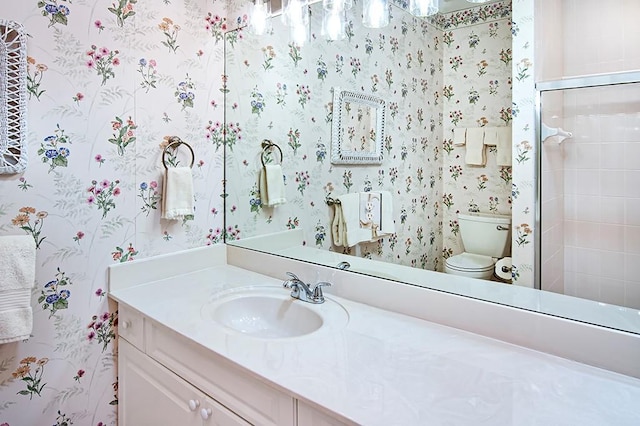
602	196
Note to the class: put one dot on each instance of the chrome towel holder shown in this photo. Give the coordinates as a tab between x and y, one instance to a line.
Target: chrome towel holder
175	142
266	146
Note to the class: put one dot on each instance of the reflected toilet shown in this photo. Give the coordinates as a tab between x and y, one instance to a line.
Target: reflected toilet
486	239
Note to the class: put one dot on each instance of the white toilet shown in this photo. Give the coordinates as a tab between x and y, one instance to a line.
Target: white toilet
486	238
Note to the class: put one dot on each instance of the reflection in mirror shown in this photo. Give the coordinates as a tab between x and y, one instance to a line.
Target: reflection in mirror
357	128
437	82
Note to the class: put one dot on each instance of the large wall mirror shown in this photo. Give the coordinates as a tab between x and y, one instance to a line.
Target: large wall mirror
434	81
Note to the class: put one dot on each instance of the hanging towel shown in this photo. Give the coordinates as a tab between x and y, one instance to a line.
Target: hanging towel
177	200
388	225
376	214
338	231
370	210
475	154
352	233
271	184
17	277
459	136
503	146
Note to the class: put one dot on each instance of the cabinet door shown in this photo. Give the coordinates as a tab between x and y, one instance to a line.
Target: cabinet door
214	414
149	394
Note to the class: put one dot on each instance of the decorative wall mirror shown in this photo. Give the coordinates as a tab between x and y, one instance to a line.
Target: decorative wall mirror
357	132
13	97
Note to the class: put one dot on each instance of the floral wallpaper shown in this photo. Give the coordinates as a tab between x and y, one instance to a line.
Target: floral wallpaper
476	93
432	81
524	143
401	64
107	81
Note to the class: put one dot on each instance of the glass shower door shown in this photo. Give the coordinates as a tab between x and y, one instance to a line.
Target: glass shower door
589	188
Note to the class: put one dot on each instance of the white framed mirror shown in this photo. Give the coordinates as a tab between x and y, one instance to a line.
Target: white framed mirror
13	97
357	132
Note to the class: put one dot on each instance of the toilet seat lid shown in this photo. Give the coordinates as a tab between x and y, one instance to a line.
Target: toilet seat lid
470	262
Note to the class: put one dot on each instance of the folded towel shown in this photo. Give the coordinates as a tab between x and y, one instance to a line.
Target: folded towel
17	277
475	154
503	146
271	184
459	136
177	200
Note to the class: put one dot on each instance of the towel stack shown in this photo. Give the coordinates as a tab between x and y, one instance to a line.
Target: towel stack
17	277
362	217
271	184
177	200
475	139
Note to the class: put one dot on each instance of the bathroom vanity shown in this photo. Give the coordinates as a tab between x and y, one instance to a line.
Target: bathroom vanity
183	359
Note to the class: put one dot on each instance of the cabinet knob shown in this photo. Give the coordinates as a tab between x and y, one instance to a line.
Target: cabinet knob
125	324
193	404
205	413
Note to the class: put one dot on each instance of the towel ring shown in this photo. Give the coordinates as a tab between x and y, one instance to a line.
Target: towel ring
267	144
175	142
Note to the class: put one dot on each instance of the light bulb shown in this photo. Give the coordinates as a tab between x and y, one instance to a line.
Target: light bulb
423	8
259	19
375	13
333	25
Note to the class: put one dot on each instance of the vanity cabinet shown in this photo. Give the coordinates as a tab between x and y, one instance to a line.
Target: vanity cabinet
152	395
166	378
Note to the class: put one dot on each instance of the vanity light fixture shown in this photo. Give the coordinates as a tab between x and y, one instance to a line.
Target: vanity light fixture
259	17
375	13
334	19
295	15
422	8
337	4
334	23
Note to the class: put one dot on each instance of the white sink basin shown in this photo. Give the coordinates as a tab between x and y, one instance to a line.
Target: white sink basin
271	313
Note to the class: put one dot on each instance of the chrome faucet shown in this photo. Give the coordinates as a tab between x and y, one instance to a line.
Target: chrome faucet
304	292
344	265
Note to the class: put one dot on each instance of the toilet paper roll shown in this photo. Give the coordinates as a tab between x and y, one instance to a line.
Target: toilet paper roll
503	269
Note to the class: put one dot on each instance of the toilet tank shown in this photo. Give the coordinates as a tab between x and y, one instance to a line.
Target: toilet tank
485	234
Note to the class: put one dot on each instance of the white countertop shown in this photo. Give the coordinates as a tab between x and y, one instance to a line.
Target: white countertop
385	368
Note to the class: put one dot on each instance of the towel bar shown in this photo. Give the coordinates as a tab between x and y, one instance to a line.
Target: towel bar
175	142
331	201
266	145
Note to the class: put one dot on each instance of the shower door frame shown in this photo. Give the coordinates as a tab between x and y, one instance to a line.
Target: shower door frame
582	82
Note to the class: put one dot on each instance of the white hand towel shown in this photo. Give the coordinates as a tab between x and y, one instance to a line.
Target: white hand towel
17	277
177	200
388	225
475	154
459	136
271	184
503	146
354	234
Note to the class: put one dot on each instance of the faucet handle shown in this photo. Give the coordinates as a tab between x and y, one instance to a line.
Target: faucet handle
292	277
317	290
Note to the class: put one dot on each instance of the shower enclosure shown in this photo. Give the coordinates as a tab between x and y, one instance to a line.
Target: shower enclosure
588	206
